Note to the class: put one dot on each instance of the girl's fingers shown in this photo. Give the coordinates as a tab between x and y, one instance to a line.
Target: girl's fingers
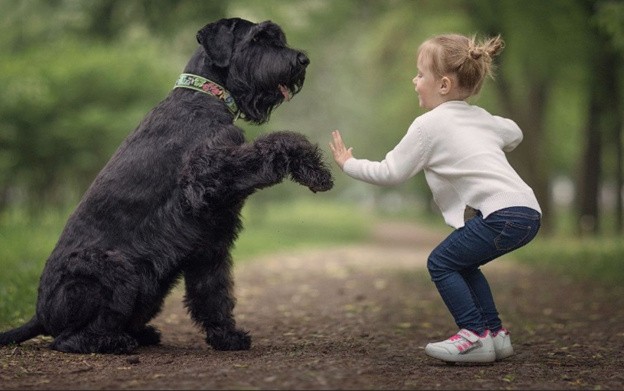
337	137
338	144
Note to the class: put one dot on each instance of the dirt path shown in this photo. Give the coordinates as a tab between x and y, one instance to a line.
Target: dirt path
357	317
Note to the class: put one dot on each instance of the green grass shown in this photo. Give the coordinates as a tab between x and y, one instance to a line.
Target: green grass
599	259
297	225
26	242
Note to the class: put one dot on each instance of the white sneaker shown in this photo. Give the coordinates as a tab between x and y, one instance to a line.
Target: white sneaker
465	346
502	344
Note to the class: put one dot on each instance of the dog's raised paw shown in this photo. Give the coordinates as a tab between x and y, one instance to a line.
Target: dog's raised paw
325	183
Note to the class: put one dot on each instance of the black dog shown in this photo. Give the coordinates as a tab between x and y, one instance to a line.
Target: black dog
168	202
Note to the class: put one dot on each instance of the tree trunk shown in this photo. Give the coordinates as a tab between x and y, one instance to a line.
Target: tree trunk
612	122
529	158
603	130
619	178
591	169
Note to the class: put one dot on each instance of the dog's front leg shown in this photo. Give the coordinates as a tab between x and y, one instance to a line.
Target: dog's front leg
217	175
210	302
292	152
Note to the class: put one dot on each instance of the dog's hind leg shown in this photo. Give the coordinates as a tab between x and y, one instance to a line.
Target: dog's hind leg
210	302
88	302
85	341
104	333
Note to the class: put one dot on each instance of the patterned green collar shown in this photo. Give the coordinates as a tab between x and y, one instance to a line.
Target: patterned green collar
198	83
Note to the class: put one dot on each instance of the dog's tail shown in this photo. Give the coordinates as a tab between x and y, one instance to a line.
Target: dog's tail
30	330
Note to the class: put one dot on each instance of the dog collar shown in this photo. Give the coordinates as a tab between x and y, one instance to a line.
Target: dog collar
198	83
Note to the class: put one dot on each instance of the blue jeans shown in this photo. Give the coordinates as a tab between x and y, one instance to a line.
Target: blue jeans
454	263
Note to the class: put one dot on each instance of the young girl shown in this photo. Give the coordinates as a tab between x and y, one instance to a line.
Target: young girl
461	148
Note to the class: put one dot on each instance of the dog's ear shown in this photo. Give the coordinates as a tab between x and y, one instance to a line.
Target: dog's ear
217	40
267	31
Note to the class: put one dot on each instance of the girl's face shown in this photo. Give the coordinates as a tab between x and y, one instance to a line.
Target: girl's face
427	85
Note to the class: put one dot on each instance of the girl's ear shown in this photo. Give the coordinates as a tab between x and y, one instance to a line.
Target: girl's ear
445	85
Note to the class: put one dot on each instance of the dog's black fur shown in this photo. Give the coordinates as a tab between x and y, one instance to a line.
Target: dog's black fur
168	203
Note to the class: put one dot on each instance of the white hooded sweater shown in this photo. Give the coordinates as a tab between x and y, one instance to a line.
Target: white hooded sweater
461	148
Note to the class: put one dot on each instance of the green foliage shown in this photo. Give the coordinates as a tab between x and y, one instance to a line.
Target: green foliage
590	259
610	18
113	19
78	76
66	108
25	243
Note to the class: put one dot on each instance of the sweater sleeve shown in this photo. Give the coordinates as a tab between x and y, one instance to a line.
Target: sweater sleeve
400	164
512	135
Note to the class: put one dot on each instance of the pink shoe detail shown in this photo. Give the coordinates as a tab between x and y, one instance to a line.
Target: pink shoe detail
465	346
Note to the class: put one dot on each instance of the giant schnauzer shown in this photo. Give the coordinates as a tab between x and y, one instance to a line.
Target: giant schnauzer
168	202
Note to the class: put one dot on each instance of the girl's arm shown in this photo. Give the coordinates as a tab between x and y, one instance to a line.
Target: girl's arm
400	164
512	135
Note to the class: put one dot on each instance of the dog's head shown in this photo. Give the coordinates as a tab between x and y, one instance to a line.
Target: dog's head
254	63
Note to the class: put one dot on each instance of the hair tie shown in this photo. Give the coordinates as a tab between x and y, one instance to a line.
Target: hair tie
475	53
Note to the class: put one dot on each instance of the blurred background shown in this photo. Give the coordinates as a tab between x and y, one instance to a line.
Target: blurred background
77	76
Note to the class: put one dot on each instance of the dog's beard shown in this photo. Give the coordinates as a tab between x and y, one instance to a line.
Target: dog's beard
292	88
259	98
285	78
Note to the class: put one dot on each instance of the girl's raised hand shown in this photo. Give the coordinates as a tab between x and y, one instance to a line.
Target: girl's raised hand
339	150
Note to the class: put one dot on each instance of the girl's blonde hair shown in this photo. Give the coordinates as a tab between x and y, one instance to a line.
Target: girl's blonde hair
466	58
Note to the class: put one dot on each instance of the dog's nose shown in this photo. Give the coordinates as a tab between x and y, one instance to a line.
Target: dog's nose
303	59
